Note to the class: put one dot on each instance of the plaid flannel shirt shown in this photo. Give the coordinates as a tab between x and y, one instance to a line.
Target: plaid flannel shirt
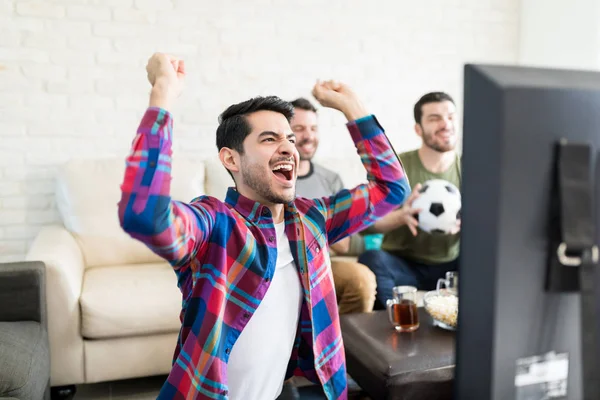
224	253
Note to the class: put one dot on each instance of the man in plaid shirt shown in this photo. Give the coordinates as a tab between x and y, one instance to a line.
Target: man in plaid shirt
259	304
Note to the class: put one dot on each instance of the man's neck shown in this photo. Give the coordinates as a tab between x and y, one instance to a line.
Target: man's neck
435	161
303	168
276	212
276	209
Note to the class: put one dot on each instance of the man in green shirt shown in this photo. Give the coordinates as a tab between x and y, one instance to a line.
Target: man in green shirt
409	255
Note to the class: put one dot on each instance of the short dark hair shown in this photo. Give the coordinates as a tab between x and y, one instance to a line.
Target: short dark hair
432	97
233	125
303	104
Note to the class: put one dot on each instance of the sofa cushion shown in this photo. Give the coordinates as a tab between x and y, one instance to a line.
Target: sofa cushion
24	360
87	196
129	300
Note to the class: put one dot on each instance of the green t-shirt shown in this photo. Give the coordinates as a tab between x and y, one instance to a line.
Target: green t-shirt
424	247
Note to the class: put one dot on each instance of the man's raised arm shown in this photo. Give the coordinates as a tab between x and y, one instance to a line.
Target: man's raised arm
351	211
172	229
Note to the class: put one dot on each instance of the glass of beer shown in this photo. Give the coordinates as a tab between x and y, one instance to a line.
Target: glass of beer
402	309
450	284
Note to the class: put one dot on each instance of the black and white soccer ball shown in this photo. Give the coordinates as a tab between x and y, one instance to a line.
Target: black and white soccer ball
440	204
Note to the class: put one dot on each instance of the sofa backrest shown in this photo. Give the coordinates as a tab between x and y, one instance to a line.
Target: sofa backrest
88	192
87	196
217	180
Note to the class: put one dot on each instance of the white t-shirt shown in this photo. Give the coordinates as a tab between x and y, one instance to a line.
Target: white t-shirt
259	359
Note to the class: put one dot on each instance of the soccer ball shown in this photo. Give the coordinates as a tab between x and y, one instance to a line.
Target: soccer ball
440	204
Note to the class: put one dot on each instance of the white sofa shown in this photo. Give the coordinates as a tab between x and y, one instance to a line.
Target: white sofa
113	306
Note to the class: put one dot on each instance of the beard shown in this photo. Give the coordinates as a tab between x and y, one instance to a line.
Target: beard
303	155
255	178
430	140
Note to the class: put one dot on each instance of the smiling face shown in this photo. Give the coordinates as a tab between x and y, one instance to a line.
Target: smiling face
266	170
437	126
304	124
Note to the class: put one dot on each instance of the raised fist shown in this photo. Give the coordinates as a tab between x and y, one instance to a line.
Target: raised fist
339	96
167	71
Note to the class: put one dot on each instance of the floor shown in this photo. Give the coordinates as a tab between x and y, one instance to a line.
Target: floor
134	389
148	388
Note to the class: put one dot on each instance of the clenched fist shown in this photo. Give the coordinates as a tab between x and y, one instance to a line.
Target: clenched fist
339	96
166	74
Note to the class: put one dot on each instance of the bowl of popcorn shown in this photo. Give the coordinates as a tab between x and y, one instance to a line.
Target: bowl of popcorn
442	306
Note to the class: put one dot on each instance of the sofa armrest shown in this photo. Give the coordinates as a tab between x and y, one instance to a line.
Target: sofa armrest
59	251
23	292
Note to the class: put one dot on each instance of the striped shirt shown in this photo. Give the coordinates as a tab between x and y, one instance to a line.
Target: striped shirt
224	254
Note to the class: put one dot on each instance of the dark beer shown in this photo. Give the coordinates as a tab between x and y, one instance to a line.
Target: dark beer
406	316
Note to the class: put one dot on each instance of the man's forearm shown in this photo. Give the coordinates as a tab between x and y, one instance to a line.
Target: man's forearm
387	223
161	96
351	211
354	111
341	247
146	210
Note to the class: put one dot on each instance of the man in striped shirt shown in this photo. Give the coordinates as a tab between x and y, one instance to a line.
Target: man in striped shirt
259	304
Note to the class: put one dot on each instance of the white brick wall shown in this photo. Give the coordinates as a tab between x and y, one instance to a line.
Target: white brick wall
72	79
577	46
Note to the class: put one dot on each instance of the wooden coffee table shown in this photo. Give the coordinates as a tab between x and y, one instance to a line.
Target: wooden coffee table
392	365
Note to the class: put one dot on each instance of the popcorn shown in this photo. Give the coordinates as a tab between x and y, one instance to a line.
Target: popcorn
443	308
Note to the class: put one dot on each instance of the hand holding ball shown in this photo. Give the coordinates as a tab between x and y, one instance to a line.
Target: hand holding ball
440	204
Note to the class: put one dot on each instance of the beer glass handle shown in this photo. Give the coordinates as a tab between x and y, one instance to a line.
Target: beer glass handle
389	305
441	282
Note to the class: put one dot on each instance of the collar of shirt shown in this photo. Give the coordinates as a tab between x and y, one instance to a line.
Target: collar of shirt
252	210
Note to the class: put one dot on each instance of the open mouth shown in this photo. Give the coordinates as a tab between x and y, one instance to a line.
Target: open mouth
283	172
